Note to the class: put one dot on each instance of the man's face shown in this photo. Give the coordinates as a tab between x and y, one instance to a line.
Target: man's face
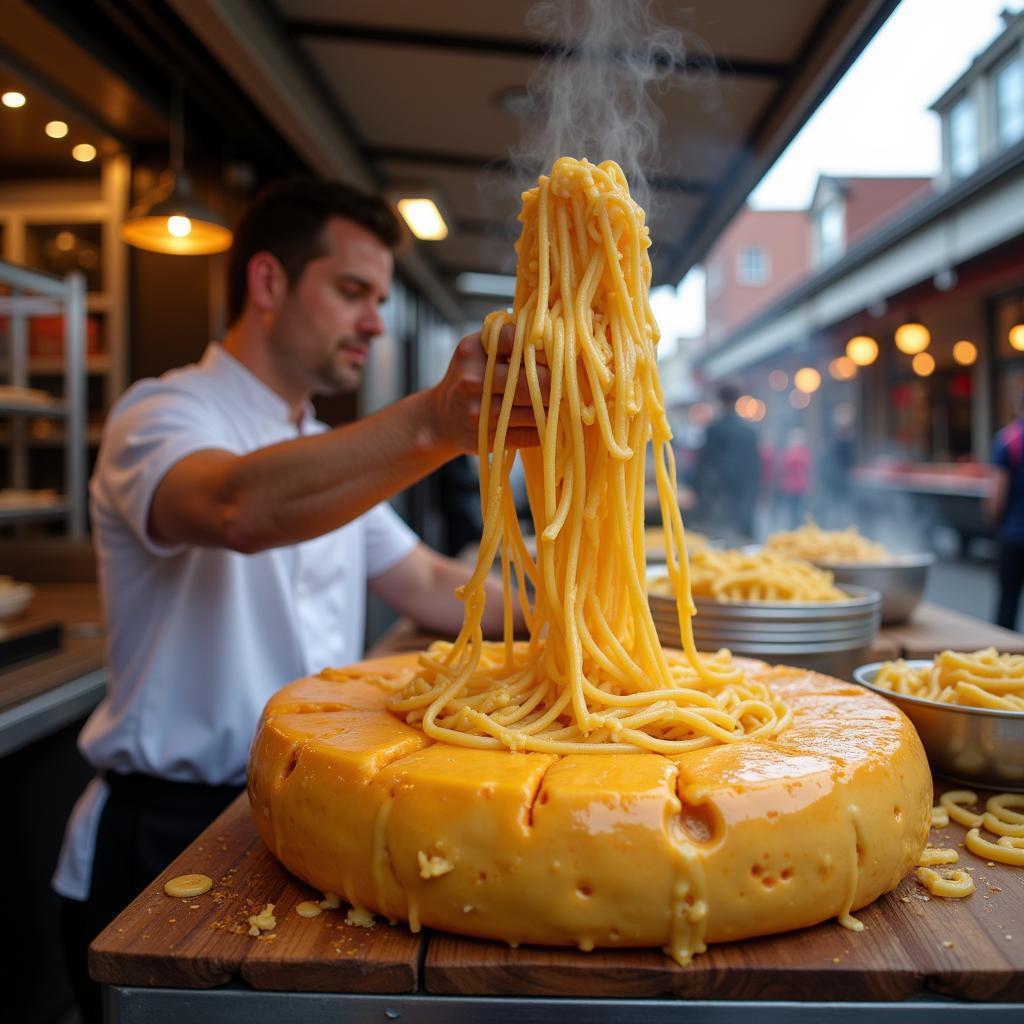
322	333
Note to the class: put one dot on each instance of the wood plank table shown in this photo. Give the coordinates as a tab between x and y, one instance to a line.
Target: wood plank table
915	953
919	958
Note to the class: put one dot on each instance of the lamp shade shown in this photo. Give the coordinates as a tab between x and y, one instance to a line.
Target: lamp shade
176	223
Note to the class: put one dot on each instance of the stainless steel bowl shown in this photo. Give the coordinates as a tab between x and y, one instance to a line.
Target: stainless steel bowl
833	637
900	580
974	746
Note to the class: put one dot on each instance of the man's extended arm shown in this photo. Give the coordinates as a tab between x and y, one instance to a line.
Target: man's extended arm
290	492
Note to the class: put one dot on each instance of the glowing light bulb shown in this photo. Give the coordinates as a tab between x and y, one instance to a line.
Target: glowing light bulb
965	352
807	380
56	129
912	338
923	364
1016	337
179	226
13	99
862	350
843	368
84	152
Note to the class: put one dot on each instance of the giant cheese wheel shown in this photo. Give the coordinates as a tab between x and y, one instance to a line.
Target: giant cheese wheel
721	843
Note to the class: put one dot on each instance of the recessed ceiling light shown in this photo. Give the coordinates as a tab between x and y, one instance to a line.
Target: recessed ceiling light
84	152
424	218
496	285
13	99
56	129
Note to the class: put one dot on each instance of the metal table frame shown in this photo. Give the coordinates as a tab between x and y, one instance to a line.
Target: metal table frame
232	1003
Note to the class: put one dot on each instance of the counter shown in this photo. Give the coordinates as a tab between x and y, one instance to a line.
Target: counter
43	694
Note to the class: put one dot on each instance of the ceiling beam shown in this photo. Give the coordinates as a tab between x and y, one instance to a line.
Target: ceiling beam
503	165
311	28
249	44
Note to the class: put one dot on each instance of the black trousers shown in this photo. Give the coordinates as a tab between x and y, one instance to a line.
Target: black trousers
1011	579
145	824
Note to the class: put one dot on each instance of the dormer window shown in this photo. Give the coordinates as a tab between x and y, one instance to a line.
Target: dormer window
963	138
831	232
1009	81
753	266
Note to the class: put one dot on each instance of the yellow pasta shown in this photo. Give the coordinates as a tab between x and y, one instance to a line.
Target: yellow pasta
755	576
982	679
940	817
1000	805
593	676
933	855
813	543
1004	850
953	886
955	803
1000	827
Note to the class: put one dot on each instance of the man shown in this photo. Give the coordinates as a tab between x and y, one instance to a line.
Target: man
236	535
728	470
1005	507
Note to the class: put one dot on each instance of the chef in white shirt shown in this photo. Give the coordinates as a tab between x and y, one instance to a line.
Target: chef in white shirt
236	536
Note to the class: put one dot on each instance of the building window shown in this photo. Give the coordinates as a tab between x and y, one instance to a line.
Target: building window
753	266
831	233
1010	102
963	138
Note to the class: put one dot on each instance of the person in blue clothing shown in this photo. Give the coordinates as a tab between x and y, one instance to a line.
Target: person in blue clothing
1006	509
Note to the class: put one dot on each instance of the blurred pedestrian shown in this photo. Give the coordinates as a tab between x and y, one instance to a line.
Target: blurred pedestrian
1006	512
834	498
728	472
794	476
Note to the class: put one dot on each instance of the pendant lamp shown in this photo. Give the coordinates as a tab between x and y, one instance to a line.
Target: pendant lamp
173	220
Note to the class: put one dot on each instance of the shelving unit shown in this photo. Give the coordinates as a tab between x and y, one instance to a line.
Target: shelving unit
33	293
88	214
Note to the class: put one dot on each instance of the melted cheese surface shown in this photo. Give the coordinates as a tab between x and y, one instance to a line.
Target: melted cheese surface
592	850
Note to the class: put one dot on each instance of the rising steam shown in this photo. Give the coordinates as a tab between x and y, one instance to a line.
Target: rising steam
593	98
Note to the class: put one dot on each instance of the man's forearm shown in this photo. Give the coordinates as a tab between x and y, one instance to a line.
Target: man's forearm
296	490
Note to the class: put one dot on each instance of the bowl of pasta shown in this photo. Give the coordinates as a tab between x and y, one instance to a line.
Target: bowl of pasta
761	605
855	559
968	709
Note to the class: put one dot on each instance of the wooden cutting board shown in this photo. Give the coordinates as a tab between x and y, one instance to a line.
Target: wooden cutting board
912	944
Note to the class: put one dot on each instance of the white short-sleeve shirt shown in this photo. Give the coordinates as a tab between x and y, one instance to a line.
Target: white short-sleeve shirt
200	637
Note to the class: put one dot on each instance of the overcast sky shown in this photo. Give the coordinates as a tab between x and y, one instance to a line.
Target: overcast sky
876	121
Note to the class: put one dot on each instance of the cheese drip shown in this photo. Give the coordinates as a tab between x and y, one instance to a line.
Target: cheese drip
593	676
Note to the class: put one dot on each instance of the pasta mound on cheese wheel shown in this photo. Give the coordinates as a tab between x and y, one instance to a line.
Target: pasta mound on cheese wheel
593	676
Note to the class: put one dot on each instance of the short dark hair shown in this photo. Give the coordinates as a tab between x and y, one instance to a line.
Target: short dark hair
287	219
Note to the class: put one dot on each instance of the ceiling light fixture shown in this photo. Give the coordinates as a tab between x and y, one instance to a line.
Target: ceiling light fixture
495	285
965	352
13	99
842	368
84	152
173	221
424	218
56	129
923	364
912	337
807	380
862	350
